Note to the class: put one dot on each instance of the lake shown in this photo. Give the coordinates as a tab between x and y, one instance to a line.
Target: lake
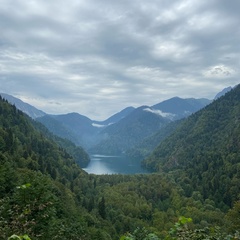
103	164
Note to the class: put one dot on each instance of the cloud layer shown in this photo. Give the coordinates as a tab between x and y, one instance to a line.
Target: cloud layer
96	57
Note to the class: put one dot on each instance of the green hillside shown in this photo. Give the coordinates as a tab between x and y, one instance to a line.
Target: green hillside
45	195
206	148
146	147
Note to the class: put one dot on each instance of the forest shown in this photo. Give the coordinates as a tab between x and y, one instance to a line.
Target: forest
192	194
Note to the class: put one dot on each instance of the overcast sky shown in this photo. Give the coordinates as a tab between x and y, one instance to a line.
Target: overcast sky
96	57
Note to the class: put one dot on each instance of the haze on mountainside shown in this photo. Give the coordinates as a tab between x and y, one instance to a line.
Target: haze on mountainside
99	54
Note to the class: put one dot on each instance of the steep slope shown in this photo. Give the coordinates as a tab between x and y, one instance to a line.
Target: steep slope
147	145
77	152
25	107
129	131
174	109
35	175
207	147
58	128
73	126
223	92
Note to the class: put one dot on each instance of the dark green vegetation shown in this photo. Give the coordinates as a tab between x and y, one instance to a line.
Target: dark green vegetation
147	145
45	194
78	153
206	149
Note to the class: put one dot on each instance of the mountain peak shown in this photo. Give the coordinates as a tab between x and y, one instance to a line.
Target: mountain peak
223	92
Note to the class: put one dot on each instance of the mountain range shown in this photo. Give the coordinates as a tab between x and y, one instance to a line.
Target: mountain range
122	131
197	176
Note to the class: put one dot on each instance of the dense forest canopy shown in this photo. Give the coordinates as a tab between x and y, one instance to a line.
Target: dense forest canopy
206	147
46	195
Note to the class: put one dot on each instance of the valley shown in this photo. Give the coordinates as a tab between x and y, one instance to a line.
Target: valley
190	176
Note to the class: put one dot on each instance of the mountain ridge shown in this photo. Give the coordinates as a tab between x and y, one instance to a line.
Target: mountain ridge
114	131
23	106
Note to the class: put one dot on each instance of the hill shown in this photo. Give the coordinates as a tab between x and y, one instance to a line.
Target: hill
206	147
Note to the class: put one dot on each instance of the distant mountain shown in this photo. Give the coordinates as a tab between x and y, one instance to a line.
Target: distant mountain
129	131
206	148
24	107
73	126
118	133
58	128
223	92
177	108
143	122
116	117
80	129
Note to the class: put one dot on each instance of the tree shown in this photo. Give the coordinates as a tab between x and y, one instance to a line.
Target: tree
102	208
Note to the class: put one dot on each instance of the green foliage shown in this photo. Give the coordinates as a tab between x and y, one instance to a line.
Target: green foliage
147	145
140	234
182	231
205	147
23	237
70	149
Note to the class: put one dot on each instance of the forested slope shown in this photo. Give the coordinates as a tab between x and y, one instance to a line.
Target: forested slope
44	193
206	147
147	145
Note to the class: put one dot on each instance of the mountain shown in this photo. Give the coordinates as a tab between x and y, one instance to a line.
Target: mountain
58	128
129	131
143	122
177	108
116	117
45	195
223	92
80	129
73	126
174	109
104	136
25	107
206	147
148	144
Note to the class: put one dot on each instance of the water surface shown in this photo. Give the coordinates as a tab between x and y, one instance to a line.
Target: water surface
104	164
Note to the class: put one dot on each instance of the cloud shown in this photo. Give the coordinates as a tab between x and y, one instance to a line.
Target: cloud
96	57
219	71
160	113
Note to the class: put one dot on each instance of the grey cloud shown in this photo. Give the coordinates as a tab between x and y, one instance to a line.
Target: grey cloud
84	55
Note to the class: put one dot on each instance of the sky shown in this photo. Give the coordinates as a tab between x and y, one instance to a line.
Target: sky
97	57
